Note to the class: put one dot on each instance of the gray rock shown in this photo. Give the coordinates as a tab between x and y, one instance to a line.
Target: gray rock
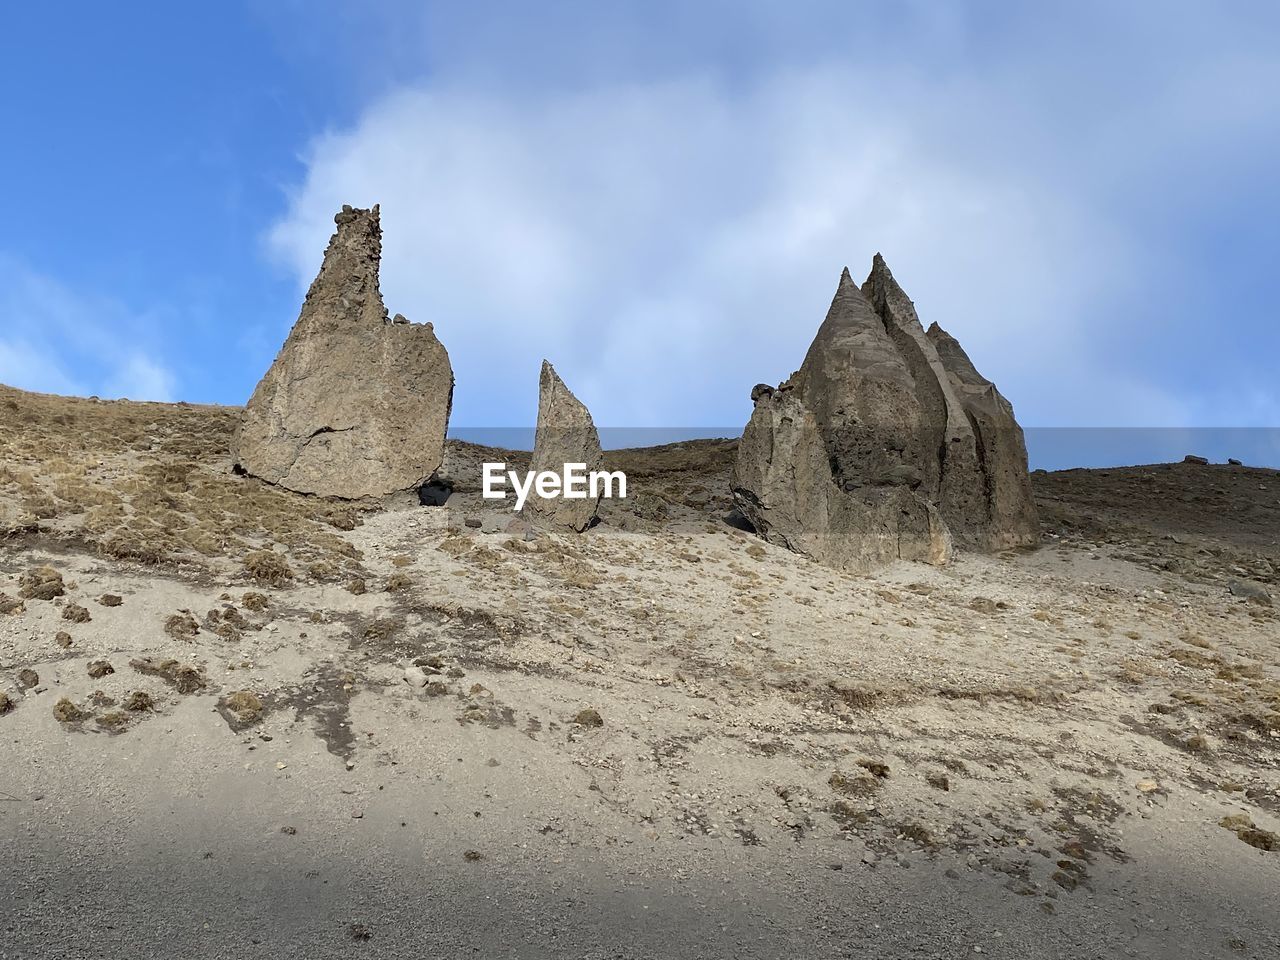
355	405
1198	461
1007	516
1250	591
783	484
886	443
951	477
565	434
1232	461
861	393
415	677
521	529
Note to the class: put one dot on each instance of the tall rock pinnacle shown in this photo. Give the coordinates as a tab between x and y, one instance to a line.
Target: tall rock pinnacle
885	444
355	404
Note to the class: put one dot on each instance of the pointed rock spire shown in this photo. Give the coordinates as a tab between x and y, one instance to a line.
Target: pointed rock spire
1010	514
946	448
354	405
565	435
880	447
860	390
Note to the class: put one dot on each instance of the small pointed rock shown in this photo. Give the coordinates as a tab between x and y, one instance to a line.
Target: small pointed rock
565	434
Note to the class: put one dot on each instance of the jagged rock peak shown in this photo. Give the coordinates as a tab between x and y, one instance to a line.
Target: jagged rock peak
879	447
355	405
346	288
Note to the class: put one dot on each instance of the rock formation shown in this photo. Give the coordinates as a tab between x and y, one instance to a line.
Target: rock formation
565	434
783	483
886	443
355	404
1009	518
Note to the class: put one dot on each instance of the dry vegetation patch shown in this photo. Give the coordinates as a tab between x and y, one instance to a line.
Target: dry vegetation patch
152	483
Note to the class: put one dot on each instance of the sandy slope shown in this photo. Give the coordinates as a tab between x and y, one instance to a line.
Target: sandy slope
1028	755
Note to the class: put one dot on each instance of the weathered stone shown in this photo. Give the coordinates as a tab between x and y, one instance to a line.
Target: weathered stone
880	447
355	405
1010	518
861	393
783	484
1253	592
947	450
565	434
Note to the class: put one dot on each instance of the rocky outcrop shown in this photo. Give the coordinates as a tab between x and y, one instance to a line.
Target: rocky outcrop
880	447
1008	517
565	434
356	404
783	483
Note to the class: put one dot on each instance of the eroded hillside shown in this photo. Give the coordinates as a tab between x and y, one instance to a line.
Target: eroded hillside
1046	727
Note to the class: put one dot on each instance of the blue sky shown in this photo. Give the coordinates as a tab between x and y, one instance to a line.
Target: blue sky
658	197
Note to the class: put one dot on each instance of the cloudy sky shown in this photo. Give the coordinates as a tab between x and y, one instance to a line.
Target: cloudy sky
657	196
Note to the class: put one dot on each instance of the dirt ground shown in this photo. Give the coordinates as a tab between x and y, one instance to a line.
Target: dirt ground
238	722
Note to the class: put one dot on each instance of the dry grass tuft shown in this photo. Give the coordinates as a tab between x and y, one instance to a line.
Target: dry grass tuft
75	613
256	602
41	583
64	711
269	567
139	702
99	669
114	721
182	676
240	709
182	626
1243	827
855	785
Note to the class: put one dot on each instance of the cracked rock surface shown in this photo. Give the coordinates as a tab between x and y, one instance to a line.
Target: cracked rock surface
356	403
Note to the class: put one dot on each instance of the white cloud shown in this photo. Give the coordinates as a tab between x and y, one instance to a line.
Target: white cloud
57	341
669	243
